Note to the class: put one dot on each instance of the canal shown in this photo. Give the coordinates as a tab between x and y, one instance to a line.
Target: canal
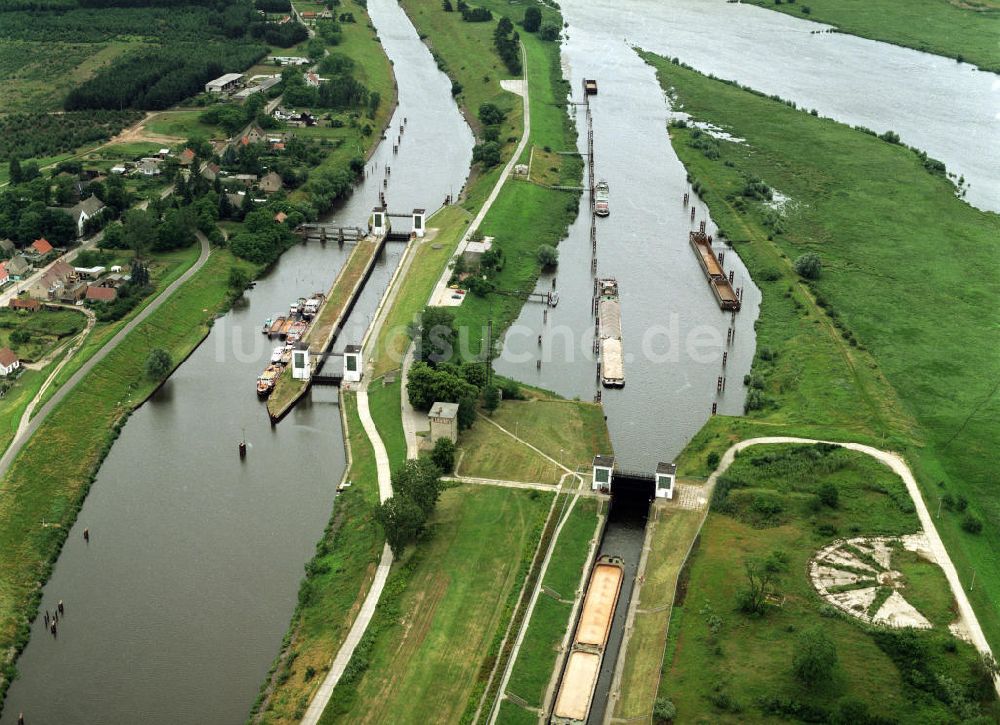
674	333
178	604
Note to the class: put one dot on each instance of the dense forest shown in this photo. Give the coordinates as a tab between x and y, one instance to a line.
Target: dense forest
35	135
158	78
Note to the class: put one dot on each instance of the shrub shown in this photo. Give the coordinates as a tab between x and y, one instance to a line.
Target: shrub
712	460
815	657
829	495
548	256
550	31
770	274
664	710
971	524
490	114
158	364
443	455
532	19
809	266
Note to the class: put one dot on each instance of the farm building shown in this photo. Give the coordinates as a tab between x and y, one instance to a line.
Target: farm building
8	361
224	84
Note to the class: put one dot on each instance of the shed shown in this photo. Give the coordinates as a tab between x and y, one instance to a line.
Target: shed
24	303
101	294
444	421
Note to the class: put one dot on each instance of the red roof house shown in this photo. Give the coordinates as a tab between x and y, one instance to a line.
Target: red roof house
280	217
42	246
24	303
8	361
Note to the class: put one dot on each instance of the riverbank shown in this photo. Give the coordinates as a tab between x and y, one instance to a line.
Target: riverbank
966	32
881	348
46	484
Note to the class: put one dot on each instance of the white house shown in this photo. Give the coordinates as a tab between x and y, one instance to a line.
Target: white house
8	361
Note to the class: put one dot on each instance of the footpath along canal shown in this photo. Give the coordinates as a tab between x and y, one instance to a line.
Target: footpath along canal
176	607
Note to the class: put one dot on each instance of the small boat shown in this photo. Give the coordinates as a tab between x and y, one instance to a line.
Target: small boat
601	195
277	353
590	86
267	325
311	307
296	307
266	381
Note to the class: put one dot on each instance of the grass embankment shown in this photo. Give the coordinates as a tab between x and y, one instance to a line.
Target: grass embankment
724	665
895	343
435	624
568	431
46	484
287	390
536	659
966	31
337	581
674	531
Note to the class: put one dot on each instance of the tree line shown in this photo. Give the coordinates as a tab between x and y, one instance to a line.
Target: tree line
34	135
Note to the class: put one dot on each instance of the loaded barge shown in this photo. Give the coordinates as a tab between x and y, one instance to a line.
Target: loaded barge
609	332
579	679
721	285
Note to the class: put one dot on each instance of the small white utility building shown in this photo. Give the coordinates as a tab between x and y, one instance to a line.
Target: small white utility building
301	367
352	364
603	468
666	477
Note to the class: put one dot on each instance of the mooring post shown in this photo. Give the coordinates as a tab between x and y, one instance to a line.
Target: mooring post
715	408
718	385
724	356
692	213
686	196
722	256
729	336
730	272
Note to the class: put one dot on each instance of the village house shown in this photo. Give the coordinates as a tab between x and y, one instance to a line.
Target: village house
101	294
8	361
270	183
51	284
280	217
41	247
210	171
7	248
18	268
83	211
148	166
186	157
4	275
253	134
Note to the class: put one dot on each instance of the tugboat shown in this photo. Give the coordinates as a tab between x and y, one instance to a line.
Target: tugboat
601	194
265	383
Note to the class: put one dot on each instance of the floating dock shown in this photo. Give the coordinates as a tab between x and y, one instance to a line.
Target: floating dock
579	680
609	332
721	285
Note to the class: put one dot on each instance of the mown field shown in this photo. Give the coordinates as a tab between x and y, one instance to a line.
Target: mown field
965	31
439	614
567	431
727	664
893	344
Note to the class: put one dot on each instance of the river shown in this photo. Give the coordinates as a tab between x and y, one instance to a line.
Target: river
177	606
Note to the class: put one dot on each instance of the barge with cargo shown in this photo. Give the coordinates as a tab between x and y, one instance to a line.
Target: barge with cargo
575	696
609	332
290	329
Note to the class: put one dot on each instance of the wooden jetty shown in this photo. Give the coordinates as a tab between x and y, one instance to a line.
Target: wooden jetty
721	285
